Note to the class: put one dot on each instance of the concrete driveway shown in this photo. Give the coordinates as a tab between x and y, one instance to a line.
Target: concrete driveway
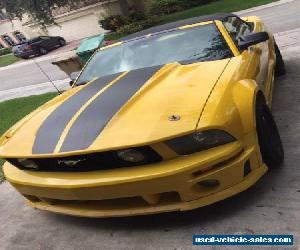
271	206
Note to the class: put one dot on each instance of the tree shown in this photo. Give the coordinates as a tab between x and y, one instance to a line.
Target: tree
41	11
124	7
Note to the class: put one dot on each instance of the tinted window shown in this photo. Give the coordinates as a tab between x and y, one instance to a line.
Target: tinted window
45	37
236	28
202	43
34	40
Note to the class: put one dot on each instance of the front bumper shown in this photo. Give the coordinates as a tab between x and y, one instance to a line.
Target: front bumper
173	185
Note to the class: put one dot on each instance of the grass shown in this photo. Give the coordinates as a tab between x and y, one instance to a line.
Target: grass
113	36
13	110
214	7
8	59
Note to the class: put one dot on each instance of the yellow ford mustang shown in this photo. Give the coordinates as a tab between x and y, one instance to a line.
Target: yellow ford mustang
169	119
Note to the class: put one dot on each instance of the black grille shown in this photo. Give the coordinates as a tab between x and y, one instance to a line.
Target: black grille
88	162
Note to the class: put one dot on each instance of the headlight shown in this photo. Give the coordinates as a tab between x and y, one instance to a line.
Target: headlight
28	164
199	141
131	155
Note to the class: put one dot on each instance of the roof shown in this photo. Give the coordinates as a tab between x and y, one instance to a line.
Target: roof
174	25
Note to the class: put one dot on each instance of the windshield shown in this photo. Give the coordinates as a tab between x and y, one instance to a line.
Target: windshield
201	43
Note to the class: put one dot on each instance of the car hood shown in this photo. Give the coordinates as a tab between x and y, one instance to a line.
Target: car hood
129	109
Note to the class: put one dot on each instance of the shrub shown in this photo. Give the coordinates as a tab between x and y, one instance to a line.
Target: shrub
138	26
113	22
137	16
193	3
130	28
5	51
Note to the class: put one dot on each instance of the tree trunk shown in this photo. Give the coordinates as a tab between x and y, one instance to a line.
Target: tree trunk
139	5
124	7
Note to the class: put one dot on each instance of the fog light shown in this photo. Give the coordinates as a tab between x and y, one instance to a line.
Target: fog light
247	168
131	155
209	183
28	164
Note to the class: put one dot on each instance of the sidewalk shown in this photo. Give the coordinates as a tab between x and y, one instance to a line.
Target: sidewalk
36	89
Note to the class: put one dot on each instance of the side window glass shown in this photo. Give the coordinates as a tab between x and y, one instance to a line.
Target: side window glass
236	28
45	38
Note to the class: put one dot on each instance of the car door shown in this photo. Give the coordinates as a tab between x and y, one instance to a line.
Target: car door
257	55
47	42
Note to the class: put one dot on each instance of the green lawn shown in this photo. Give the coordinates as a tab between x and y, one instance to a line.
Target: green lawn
13	110
8	59
113	36
217	6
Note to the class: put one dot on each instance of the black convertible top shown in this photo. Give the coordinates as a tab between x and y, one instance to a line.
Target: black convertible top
174	25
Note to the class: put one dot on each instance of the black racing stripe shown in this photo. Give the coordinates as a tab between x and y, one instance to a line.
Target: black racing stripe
92	121
50	131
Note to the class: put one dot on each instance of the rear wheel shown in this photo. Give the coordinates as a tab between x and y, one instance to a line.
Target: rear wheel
43	51
280	66
62	42
268	136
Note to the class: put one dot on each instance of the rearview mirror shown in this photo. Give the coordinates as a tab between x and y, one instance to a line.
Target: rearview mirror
252	39
73	77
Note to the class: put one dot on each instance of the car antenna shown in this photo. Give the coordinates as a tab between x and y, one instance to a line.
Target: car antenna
48	77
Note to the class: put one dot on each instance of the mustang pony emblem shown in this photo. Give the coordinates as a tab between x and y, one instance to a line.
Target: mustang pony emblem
70	163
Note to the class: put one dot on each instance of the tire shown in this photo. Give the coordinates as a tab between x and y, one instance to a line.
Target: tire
268	136
25	57
280	66
62	42
43	51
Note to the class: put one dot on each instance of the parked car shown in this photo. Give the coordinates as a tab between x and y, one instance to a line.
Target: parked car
171	119
38	46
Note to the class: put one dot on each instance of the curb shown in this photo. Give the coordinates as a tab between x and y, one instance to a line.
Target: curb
36	89
262	7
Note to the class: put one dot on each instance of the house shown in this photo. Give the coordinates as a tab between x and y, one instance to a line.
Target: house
71	23
12	32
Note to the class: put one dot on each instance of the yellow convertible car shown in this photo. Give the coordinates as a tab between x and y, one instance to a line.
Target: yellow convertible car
173	118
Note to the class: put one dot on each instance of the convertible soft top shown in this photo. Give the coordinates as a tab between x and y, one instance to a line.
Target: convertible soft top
174	25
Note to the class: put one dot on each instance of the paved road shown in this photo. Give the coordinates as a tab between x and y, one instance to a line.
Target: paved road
271	206
280	18
31	72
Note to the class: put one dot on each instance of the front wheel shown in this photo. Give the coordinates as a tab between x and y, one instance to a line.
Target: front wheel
62	42
43	51
268	136
280	66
